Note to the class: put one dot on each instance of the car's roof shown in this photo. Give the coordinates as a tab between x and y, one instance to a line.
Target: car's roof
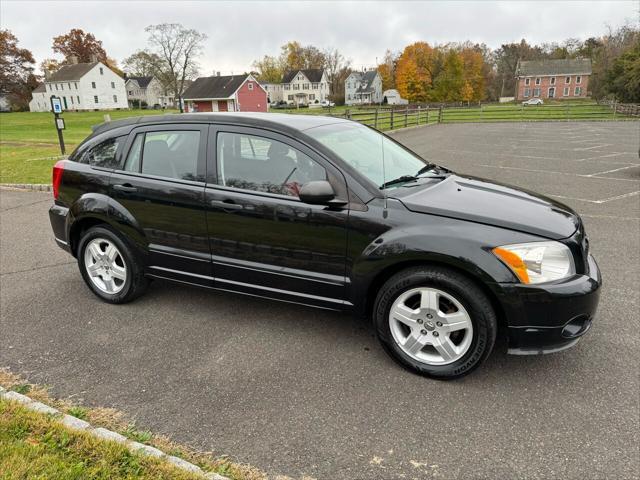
256	119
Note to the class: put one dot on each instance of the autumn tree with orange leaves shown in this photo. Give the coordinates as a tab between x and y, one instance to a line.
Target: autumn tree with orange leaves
414	74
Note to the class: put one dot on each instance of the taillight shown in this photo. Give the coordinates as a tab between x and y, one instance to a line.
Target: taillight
58	168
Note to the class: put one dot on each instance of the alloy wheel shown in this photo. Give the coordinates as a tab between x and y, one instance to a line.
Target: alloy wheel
105	265
431	326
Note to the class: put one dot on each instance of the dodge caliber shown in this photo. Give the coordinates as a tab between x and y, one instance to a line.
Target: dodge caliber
332	214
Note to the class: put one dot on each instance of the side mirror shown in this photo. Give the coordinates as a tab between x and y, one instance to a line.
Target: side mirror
317	193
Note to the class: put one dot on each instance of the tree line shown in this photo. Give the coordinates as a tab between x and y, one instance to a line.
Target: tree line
452	72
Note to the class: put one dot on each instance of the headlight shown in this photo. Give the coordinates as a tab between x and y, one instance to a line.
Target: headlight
537	262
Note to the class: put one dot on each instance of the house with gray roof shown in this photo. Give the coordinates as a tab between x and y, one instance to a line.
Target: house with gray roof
306	86
363	88
230	93
86	86
562	79
144	91
39	100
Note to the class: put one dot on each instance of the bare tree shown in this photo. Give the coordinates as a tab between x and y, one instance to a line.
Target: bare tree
178	47
337	69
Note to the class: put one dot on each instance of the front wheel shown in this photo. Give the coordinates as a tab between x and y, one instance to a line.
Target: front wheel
109	266
435	322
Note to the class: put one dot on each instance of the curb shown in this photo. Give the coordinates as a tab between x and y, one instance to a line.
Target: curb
74	423
38	187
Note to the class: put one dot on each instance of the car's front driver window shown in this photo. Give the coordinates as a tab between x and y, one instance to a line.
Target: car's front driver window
264	165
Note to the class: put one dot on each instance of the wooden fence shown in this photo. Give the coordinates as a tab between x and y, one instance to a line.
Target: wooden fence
392	118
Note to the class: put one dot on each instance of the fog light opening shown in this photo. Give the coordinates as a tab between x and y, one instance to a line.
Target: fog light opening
577	326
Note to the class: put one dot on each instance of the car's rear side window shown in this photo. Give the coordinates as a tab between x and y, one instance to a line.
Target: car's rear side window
170	153
104	154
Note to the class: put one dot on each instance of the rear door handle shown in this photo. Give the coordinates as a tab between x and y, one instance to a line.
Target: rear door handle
226	204
125	188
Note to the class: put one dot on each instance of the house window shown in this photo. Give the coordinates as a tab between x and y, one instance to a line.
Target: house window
95	99
113	84
115	99
314	86
536	92
565	92
578	79
552	92
296	86
287	87
290	97
78	97
130	92
527	92
101	71
299	77
553	80
312	96
62	86
537	81
49	87
69	85
71	97
527	81
56	86
578	91
567	79
250	86
93	84
305	86
76	84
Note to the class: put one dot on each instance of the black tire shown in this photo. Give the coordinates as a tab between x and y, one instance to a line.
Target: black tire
464	290
135	283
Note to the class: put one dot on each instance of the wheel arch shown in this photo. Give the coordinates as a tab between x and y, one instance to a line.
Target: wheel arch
383	275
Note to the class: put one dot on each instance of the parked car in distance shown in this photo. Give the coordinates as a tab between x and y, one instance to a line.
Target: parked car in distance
533	101
327	103
328	213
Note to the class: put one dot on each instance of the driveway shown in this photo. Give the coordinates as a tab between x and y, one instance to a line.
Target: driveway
297	391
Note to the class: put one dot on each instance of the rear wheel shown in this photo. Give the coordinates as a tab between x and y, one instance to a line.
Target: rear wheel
109	266
435	321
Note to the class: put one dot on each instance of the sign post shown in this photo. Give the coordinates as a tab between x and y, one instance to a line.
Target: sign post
56	108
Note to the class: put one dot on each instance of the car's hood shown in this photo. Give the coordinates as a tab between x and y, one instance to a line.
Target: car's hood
479	200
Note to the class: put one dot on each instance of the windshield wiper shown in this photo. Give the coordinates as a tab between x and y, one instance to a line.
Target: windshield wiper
432	167
402	179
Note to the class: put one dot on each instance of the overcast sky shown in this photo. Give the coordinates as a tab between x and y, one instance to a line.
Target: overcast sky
240	32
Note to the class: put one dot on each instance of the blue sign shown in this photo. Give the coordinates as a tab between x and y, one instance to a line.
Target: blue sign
56	105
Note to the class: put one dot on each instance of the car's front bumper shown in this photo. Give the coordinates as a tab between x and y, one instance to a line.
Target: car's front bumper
58	216
552	317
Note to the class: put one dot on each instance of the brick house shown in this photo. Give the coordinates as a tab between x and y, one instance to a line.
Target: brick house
559	79
231	93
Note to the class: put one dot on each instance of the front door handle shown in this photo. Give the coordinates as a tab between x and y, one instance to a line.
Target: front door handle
125	188
227	205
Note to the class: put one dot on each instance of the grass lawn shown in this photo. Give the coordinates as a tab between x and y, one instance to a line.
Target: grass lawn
29	142
36	445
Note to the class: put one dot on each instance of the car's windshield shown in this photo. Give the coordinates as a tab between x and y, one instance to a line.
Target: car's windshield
362	148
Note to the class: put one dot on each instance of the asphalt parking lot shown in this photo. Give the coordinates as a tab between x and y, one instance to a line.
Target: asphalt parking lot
297	391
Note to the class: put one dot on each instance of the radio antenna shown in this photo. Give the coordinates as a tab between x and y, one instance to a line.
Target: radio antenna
384	179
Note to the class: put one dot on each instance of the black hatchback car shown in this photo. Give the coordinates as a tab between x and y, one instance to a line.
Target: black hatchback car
332	214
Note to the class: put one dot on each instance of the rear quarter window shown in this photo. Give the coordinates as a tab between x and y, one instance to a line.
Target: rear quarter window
104	154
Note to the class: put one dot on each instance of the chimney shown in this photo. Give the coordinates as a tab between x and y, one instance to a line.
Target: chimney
73	59
47	74
217	74
93	58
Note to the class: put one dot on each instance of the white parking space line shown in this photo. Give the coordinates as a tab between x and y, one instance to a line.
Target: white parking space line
609	171
598	202
566	173
591	148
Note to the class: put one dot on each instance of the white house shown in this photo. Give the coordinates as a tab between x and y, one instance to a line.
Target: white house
305	86
146	90
39	100
363	87
87	86
274	91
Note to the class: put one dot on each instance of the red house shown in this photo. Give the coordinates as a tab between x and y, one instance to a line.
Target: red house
232	93
559	79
